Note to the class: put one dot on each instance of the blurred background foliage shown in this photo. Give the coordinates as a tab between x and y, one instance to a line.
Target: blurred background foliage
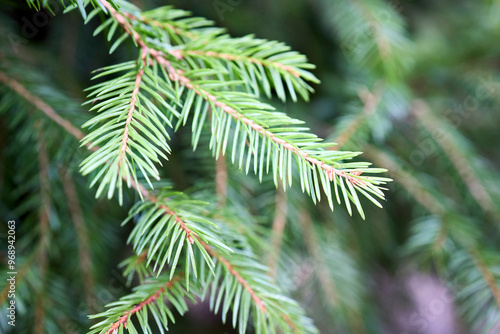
414	85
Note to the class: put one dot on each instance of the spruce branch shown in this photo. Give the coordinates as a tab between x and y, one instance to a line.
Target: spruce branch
487	275
370	104
157	205
436	235
84	253
270	309
459	159
247	287
277	133
41	105
148	297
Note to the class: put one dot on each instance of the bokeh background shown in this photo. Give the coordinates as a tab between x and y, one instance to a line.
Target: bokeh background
414	85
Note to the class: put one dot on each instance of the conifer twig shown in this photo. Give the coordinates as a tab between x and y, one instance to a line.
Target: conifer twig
177	75
179	54
190	235
371	102
236	274
461	163
130	115
44	230
151	299
41	105
221	180
279	223
312	244
84	253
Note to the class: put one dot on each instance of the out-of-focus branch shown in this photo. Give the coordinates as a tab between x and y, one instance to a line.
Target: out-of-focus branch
221	181
44	230
457	158
312	244
279	223
84	253
371	102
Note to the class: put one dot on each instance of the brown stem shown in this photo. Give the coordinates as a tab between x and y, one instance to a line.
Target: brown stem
312	245
457	158
279	223
487	276
135	93
221	181
151	299
180	53
371	101
236	274
75	132
84	253
40	104
44	232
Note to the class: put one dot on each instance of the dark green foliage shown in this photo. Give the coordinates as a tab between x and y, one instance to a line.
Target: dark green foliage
179	112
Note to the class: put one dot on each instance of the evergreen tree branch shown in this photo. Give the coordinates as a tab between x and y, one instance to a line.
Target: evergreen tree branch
125	318
44	232
188	234
409	182
315	165
41	105
130	114
371	102
179	54
487	275
237	275
459	161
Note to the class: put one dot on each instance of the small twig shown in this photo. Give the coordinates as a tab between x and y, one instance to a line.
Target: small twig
179	54
457	158
312	245
44	230
487	275
40	104
130	114
221	181
371	102
279	223
236	274
151	299
84	252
